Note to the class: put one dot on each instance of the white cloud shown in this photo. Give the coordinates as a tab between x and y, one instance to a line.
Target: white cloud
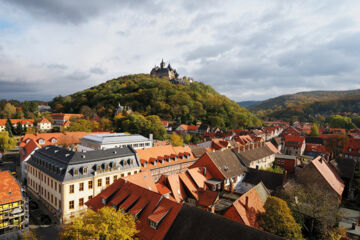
246	50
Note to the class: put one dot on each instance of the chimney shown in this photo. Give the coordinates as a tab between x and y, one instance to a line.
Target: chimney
246	202
204	172
284	177
353	225
257	167
151	136
320	160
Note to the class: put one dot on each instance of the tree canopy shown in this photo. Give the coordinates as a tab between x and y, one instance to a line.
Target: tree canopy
153	96
106	224
278	220
6	142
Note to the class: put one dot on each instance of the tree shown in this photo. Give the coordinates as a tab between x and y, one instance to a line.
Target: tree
176	140
80	125
19	129
334	234
6	142
314	130
337	121
105	124
317	209
335	143
9	110
107	224
278	220
9	128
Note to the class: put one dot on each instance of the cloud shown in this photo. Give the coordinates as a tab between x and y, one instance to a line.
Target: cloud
247	50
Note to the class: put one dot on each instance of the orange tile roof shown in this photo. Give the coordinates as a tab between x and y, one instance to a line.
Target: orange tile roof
149	155
291	140
143	179
329	175
66	116
189	184
162	189
247	212
9	188
44	120
16	121
176	188
272	147
189	127
207	198
197	175
67	138
316	148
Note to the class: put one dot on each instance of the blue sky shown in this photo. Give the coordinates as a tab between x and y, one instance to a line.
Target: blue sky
246	50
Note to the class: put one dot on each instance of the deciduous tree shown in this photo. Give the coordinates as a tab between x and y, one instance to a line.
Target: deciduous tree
6	142
176	140
107	224
278	220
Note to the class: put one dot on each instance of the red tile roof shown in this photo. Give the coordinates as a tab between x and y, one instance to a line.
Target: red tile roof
67	138
66	116
197	175
149	206
16	121
207	198
143	179
294	141
189	127
316	148
329	175
9	188
352	147
44	120
28	149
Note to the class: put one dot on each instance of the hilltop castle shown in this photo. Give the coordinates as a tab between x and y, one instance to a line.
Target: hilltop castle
169	73
164	72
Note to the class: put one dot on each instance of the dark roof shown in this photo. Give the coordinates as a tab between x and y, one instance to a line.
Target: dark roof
255	154
276	141
227	162
194	223
198	151
314	140
60	163
271	180
346	167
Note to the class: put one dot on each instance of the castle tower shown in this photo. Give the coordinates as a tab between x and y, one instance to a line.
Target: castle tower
162	64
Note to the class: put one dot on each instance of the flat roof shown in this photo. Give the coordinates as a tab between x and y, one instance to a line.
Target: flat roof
108	138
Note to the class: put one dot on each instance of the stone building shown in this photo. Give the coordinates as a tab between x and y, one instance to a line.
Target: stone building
164	72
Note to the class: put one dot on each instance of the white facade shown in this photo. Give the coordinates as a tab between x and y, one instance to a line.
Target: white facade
44	126
263	163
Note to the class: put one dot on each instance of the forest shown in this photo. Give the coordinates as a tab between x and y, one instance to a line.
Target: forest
176	103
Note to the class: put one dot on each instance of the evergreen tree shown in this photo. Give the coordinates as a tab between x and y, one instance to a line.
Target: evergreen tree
9	128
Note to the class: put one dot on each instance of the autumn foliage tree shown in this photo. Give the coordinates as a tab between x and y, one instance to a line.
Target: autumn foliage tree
107	224
6	142
176	140
278	220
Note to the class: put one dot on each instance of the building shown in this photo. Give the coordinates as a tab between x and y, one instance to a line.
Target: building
225	167
315	150
246	208
257	155
320	174
286	162
44	125
64	180
294	145
166	160
164	72
63	119
352	150
58	139
160	218
25	123
113	140
184	129
14	211
25	154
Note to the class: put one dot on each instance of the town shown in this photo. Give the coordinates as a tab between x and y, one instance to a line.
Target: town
189	120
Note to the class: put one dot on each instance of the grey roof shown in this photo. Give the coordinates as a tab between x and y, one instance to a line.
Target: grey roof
60	163
109	138
227	162
283	156
195	223
262	191
255	154
198	151
271	180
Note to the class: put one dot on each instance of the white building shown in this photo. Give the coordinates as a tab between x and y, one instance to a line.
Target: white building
44	125
64	180
257	155
114	140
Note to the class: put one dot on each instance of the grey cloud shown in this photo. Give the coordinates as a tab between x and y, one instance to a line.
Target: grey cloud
64	11
77	76
97	70
57	66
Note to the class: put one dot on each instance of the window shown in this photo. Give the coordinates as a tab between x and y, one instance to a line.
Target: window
115	178
71	190
122	175
99	183
52	198
90	185
55	186
153	224
81	187
59	203
51	183
85	171
81	202
71	204
107	181
76	172
89	198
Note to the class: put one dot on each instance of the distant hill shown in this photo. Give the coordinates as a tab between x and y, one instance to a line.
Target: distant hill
247	104
148	95
305	104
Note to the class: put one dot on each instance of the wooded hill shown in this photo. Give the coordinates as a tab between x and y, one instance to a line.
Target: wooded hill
153	96
308	104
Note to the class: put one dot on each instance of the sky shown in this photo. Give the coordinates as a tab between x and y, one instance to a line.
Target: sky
246	50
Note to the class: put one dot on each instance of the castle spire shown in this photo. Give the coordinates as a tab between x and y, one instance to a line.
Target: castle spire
162	64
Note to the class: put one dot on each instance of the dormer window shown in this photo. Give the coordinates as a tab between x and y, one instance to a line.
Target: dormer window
350	149
84	170
28	140
106	166
41	141
153	224
53	140
76	172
